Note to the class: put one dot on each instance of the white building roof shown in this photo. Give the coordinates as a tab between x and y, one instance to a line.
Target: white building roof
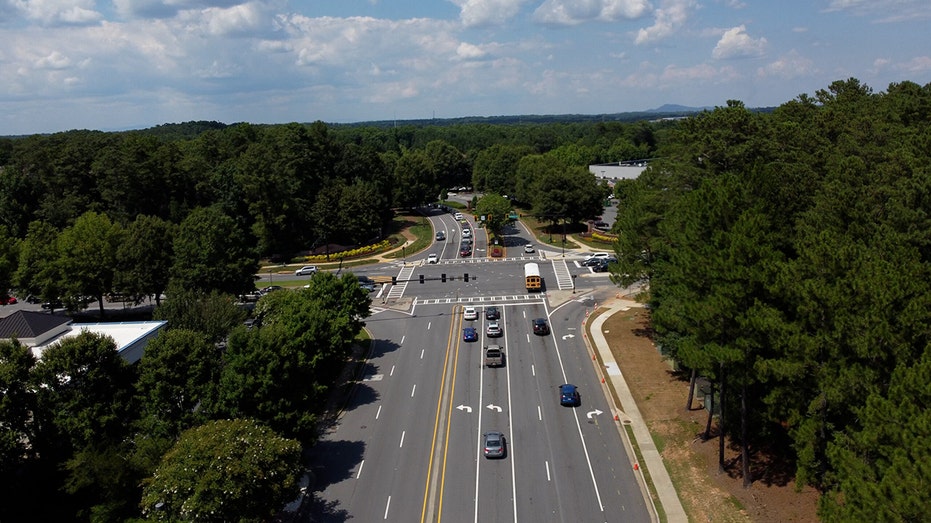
131	337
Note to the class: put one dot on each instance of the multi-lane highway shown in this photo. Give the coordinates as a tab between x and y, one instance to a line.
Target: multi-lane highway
408	445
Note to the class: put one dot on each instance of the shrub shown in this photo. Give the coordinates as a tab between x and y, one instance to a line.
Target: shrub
365	250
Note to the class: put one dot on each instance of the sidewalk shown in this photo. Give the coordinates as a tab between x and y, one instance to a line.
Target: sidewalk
629	414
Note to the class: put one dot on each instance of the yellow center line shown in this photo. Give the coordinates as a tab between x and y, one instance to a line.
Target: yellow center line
457	319
449	418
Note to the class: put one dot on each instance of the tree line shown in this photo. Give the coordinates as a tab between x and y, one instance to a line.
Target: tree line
209	425
788	258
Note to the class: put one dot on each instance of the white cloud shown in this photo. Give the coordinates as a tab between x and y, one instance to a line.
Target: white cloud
475	13
791	65
54	60
736	43
667	20
574	12
58	12
468	51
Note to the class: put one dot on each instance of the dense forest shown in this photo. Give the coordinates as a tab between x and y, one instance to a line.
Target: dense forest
789	256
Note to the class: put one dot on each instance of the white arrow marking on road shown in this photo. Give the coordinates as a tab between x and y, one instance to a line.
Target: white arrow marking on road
465	408
593	413
567	336
493	407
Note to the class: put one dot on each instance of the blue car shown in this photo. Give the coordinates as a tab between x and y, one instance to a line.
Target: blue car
569	396
469	334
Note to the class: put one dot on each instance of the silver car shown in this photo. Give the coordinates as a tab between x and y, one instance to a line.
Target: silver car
494	445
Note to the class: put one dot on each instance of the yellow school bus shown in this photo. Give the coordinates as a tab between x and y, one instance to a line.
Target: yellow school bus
532	277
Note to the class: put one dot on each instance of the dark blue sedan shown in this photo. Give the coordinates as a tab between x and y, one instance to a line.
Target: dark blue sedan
469	334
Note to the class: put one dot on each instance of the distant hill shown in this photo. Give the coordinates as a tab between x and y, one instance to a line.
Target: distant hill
675	108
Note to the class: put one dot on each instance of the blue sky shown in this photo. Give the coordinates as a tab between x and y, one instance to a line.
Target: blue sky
120	64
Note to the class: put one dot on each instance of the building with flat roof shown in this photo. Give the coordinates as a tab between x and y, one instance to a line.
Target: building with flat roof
39	331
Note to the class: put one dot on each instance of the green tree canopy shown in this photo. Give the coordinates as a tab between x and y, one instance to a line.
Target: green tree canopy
87	259
225	470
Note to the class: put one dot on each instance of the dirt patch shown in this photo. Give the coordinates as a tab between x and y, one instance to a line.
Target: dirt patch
706	493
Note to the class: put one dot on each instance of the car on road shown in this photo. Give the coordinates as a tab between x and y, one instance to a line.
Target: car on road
492	313
602	265
469	313
433	258
458	216
465	251
466	233
569	395
440	236
596	255
540	327
529	248
592	262
493	445
307	270
367	283
494	330
469	334
466	241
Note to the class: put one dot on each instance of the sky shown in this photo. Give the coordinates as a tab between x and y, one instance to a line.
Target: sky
132	64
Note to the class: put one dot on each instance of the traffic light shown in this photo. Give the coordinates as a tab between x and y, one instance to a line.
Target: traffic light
466	277
394	280
443	277
421	278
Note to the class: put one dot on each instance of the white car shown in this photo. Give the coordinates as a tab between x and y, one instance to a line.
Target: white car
458	216
466	233
306	270
470	313
598	256
528	248
433	258
494	330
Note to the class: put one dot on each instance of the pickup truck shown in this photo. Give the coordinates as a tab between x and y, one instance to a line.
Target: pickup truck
494	356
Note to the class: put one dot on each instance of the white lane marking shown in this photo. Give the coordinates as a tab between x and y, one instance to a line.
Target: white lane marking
539	413
402	438
387	506
392	371
378	412
533	370
402	340
421	353
413	389
548	478
359	474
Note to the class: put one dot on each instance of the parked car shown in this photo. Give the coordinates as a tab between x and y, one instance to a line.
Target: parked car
271	288
469	334
8	300
569	395
494	445
494	330
440	236
307	270
469	313
53	304
540	327
252	296
492	313
433	258
529	248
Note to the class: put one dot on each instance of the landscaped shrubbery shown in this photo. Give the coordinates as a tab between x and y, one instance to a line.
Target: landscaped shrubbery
365	250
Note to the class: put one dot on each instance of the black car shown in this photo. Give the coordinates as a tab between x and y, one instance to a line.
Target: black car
603	265
492	313
465	251
569	395
540	327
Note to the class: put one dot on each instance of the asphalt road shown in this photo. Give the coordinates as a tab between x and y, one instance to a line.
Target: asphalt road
408	445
